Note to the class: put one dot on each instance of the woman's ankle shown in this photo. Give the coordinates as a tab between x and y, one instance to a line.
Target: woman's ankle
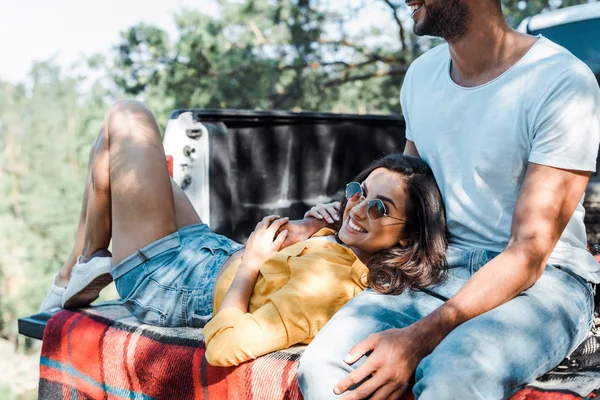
87	256
61	280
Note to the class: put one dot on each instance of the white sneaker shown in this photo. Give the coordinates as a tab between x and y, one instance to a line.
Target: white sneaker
86	282
53	298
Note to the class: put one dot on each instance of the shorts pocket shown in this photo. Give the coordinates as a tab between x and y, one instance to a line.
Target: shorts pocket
150	302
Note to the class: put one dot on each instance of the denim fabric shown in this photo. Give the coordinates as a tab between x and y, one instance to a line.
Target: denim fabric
488	357
171	282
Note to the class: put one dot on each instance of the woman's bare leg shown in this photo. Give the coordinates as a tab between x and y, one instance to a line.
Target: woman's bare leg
97	176
95	225
185	213
140	191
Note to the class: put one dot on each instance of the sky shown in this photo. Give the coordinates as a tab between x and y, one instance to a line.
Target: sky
66	30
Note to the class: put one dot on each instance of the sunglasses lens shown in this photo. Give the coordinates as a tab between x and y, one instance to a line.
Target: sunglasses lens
376	209
353	191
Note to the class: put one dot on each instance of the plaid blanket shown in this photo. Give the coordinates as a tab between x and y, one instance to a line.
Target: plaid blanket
105	353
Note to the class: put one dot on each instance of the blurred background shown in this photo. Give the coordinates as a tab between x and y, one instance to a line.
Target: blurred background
64	62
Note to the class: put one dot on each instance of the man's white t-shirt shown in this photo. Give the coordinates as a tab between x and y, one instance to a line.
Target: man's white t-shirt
478	141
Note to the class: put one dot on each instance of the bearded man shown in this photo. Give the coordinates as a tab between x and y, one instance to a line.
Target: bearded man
510	125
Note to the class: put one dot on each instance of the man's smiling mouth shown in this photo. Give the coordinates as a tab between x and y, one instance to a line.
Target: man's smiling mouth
414	7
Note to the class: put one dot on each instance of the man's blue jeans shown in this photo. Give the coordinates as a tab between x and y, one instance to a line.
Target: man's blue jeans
488	357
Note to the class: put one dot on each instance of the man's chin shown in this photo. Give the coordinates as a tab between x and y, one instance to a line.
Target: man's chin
420	28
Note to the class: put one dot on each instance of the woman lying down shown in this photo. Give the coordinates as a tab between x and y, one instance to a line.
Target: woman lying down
171	271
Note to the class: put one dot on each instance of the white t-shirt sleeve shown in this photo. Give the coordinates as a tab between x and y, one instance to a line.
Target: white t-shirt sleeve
404	103
566	122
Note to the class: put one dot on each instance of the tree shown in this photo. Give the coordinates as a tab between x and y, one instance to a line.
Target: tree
260	54
45	134
284	54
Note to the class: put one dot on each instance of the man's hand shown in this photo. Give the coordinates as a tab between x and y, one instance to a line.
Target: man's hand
300	230
329	211
394	358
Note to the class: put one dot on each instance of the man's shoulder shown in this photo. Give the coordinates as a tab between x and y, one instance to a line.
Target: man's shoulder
550	69
549	58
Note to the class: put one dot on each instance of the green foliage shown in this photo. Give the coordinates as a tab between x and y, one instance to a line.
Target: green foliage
45	134
6	392
260	54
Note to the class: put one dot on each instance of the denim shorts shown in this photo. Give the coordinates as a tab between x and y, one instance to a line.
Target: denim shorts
171	282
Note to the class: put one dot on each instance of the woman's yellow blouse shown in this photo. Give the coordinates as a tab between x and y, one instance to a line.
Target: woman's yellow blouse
297	291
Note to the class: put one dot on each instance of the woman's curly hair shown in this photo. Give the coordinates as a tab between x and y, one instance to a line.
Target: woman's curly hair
422	261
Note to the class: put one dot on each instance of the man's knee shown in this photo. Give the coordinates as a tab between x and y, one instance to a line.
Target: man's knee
447	386
306	367
461	374
317	374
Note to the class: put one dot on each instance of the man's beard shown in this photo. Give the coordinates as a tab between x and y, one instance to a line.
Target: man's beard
448	19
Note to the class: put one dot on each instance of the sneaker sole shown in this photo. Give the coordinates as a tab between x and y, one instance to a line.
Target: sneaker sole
89	293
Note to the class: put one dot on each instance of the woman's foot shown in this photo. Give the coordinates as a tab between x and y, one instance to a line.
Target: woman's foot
54	296
88	278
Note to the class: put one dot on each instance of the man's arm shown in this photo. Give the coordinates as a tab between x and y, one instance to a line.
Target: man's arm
545	205
411	150
302	229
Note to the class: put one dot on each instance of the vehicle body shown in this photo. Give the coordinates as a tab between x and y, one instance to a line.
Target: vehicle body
238	166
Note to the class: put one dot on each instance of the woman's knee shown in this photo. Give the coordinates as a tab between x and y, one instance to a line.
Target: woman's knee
127	106
130	118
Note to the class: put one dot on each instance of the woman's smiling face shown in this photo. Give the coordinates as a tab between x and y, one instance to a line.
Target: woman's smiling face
371	236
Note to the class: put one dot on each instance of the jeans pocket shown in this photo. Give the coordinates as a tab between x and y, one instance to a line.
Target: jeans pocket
149	302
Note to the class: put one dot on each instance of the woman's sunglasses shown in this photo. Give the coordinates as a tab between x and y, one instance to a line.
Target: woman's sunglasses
375	208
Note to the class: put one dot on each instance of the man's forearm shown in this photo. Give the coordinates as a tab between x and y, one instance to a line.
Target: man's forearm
498	282
302	229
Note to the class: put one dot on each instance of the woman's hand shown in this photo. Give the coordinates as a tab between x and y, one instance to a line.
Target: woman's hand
264	241
330	212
